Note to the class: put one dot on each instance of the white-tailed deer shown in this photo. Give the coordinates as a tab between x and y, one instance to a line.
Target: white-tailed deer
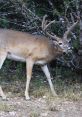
32	49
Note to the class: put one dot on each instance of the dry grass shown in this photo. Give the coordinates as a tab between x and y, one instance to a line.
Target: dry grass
66	83
34	114
5	107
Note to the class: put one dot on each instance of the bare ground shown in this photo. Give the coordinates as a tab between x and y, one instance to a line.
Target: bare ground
42	104
40	107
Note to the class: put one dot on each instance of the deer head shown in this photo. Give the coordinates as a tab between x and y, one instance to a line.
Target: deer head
63	42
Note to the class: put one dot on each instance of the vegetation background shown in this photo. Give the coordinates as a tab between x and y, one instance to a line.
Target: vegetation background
26	15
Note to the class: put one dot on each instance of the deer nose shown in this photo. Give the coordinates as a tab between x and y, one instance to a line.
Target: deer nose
64	53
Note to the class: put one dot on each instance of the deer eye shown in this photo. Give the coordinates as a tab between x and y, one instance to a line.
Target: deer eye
60	43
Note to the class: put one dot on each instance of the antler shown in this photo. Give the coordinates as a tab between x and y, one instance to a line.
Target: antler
45	26
69	29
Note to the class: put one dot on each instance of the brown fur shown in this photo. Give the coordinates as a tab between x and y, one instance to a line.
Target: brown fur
32	49
25	45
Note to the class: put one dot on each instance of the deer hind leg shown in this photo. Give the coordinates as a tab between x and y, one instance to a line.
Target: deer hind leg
29	66
2	59
47	73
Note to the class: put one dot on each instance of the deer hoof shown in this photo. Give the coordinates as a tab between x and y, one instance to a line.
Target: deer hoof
4	98
27	98
54	94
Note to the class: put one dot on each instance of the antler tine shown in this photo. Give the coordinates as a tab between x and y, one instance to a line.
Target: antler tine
44	22
72	18
70	29
45	26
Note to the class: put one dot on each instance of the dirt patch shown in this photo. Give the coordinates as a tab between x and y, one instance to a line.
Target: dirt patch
40	107
42	104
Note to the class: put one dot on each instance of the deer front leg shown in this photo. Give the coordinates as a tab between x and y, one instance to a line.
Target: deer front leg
29	66
2	94
47	73
2	59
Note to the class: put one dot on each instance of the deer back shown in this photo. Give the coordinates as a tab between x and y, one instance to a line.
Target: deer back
27	45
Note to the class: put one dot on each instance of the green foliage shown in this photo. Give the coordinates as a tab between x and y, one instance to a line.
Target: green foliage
4	23
76	44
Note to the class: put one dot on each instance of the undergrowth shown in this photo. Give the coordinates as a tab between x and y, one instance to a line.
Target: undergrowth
67	83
